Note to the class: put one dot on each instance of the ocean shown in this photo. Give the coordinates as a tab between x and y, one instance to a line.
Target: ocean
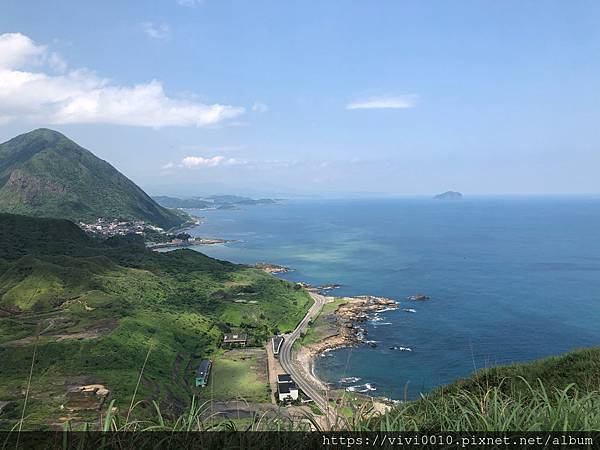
510	279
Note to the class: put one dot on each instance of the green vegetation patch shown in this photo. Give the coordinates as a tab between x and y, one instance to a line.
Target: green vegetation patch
324	324
239	374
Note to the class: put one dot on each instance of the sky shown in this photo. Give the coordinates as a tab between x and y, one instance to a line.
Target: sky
316	98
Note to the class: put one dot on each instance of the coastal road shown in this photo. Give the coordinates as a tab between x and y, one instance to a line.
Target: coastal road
301	375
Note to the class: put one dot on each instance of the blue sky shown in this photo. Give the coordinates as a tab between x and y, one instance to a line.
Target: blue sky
314	97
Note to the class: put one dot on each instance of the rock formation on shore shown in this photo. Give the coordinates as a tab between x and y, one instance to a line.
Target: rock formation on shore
357	310
271	268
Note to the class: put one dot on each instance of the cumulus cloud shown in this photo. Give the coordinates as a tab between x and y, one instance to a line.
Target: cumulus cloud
17	50
259	107
399	102
32	89
154	30
190	162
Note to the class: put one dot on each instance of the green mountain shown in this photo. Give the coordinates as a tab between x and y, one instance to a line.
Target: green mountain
213	201
174	202
97	312
45	174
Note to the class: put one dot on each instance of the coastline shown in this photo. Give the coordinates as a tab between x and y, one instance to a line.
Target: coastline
190	243
345	330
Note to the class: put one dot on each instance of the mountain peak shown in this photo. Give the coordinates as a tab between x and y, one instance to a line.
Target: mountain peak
45	134
36	140
39	141
43	173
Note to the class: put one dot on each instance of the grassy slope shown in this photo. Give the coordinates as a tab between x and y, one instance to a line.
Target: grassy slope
484	402
43	173
178	303
557	393
581	367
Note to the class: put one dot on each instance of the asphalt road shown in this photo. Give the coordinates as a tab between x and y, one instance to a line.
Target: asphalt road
291	366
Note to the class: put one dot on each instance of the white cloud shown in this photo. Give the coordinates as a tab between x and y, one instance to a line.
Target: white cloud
259	107
80	96
198	161
195	148
155	31
57	62
190	3
399	102
17	49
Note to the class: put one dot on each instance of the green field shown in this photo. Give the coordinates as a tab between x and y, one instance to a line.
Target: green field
324	324
239	374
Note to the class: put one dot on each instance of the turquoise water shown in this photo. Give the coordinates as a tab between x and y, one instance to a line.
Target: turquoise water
510	279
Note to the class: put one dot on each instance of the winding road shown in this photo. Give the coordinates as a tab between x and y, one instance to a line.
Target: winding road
301	375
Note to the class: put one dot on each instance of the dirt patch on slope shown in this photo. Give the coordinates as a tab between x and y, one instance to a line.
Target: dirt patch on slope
94	331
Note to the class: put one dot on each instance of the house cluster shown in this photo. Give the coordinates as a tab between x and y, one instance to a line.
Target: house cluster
286	388
235	340
107	228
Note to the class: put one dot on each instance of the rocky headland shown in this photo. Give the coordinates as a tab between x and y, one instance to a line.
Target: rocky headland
347	322
271	268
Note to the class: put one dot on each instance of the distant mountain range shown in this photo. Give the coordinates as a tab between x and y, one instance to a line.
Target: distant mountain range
213	201
449	195
45	174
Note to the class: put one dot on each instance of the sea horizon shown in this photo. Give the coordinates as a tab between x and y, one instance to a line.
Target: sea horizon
467	196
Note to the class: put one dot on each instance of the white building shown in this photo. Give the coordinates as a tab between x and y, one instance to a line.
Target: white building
287	389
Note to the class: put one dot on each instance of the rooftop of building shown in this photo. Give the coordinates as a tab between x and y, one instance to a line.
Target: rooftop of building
284	378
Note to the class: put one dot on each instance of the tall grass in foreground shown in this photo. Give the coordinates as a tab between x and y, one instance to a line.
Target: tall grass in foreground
491	409
510	404
196	417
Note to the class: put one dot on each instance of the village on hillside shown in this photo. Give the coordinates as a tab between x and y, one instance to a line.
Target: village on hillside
154	236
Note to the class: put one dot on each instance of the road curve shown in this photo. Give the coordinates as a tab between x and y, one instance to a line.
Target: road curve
302	376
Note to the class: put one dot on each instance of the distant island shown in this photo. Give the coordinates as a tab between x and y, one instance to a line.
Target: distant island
210	202
449	195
